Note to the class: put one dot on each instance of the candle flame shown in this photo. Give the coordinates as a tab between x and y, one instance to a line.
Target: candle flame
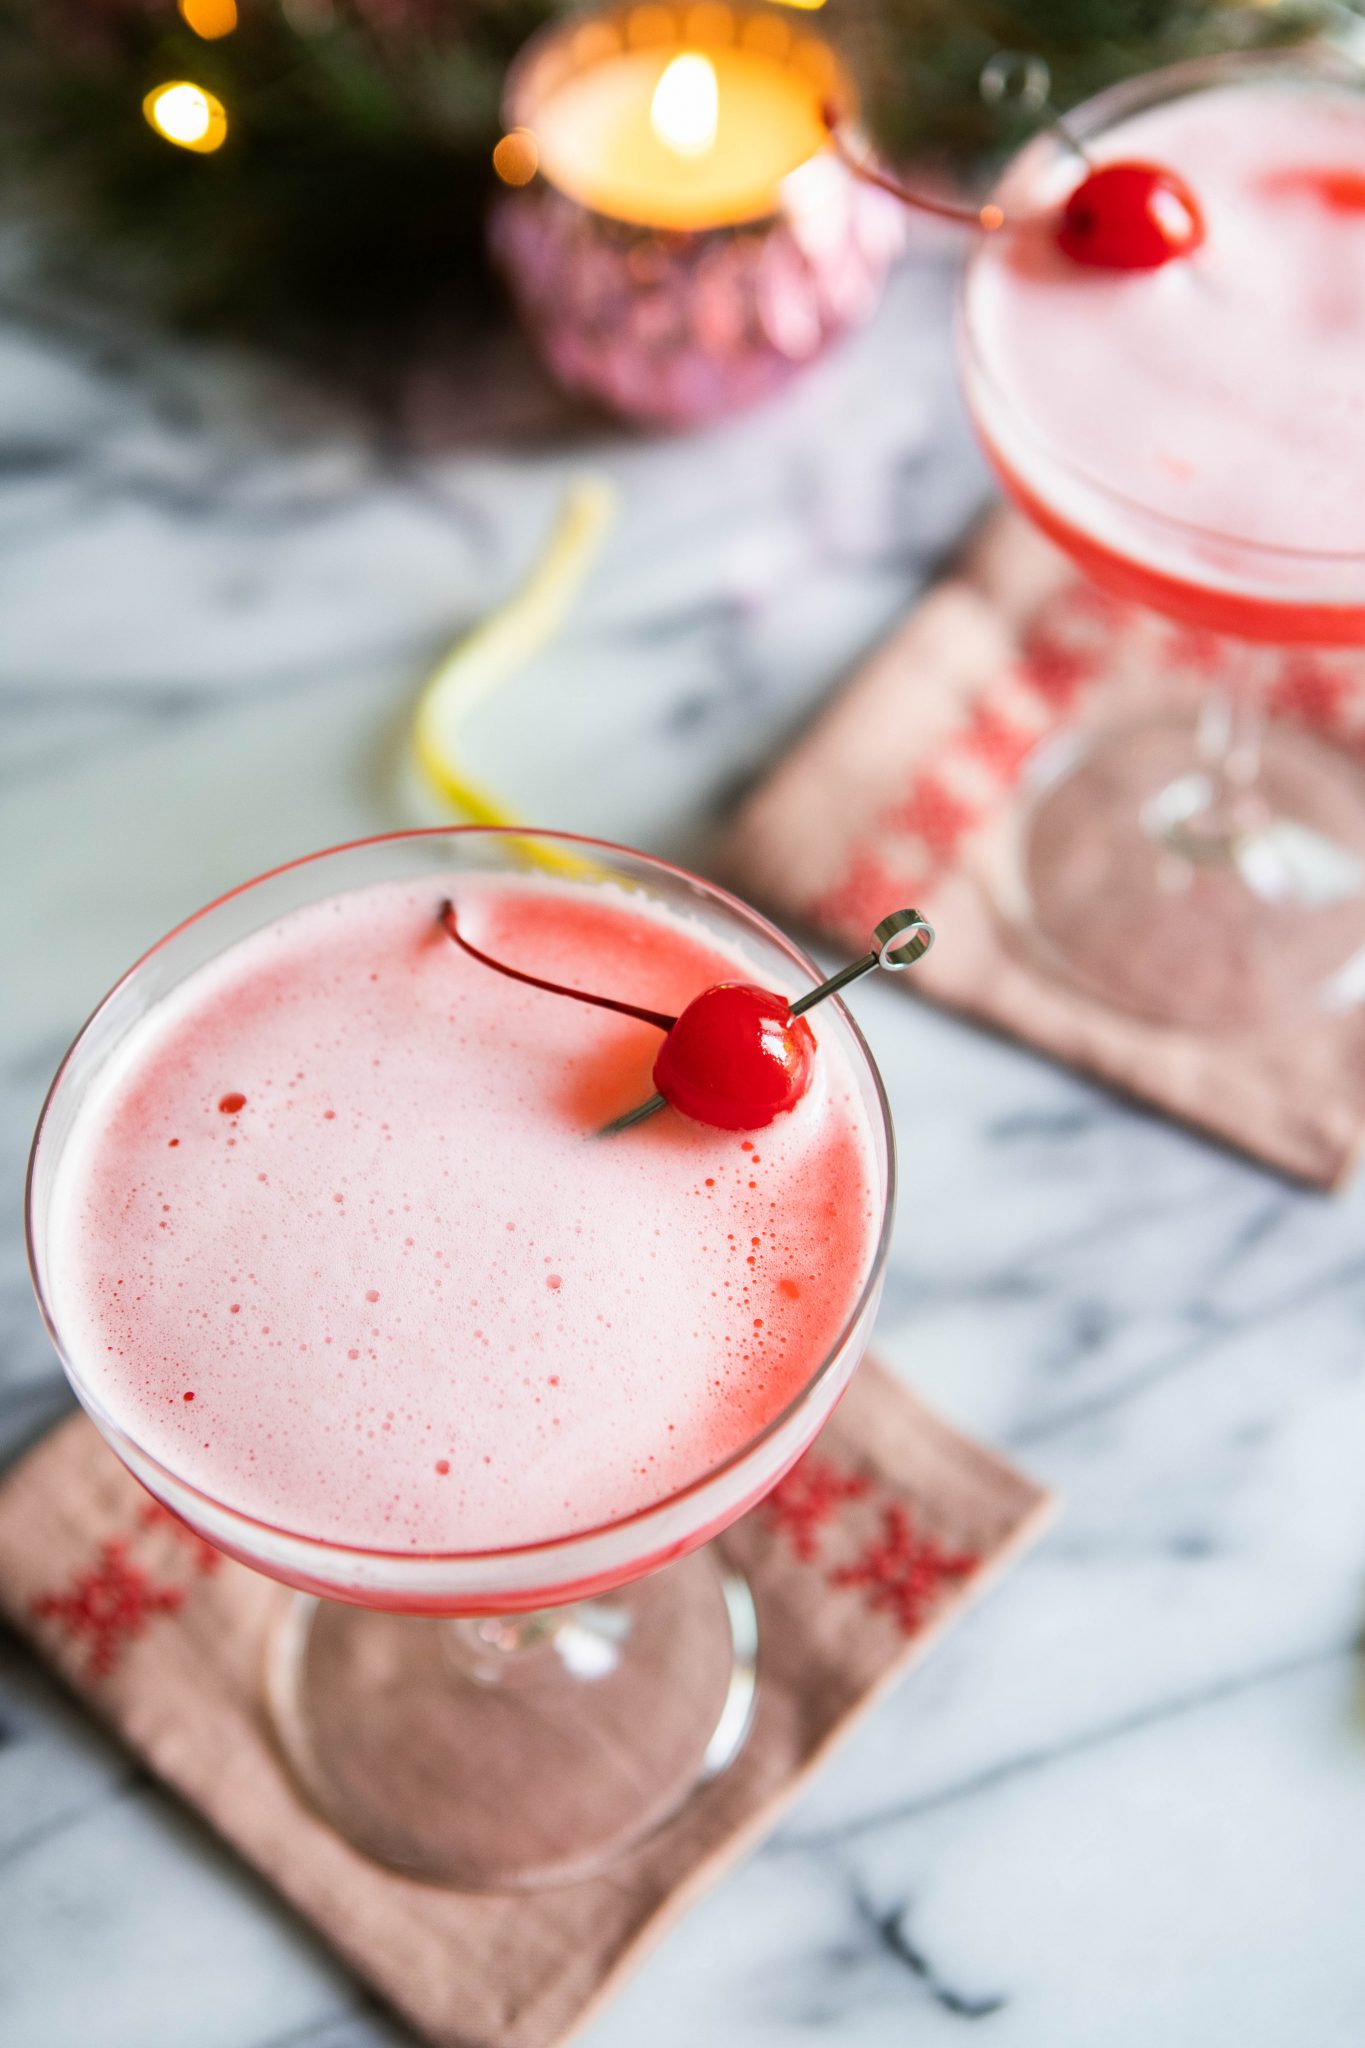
686	105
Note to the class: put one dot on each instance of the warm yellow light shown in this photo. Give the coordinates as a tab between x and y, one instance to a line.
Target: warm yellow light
187	116
686	105
210	19
516	157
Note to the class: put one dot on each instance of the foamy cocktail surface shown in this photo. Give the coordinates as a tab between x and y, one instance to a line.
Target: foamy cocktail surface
333	1238
1223	391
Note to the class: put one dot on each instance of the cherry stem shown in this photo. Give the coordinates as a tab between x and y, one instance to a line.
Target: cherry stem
447	918
987	218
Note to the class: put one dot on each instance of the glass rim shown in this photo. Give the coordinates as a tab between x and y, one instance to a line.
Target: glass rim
542	1546
1321	59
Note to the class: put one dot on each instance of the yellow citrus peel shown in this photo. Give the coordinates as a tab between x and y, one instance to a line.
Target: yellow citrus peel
501	644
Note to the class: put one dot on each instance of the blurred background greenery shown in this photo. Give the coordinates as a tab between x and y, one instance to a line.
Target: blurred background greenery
356	134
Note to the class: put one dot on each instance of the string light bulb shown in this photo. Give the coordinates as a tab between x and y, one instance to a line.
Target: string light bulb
517	157
186	115
211	19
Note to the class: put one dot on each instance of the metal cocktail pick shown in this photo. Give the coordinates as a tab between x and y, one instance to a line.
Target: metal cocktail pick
898	942
1020	81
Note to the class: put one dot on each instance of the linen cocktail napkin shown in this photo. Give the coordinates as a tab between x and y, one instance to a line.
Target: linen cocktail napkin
865	1552
903	790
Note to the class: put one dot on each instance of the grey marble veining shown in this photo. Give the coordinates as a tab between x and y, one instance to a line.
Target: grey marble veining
1125	1800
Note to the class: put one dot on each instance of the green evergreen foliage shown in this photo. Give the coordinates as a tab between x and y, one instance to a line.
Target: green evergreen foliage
352	184
920	60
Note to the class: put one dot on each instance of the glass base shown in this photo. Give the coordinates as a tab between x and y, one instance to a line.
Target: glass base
1190	897
502	1755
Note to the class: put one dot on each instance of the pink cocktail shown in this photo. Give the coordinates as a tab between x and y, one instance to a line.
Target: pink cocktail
1194	436
337	1260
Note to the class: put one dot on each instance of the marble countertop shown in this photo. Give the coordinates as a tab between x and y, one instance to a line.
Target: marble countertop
1125	1800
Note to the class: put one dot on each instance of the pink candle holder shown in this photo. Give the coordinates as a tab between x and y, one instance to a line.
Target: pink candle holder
679	325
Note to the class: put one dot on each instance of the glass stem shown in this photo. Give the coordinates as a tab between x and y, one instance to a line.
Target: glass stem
1204	817
581	1641
1231	728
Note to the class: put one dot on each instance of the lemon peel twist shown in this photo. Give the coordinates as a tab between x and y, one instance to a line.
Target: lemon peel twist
487	657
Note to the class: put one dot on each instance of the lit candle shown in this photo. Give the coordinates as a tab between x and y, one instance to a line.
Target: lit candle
679	235
689	139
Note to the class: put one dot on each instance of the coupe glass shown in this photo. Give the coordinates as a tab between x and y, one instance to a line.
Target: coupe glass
514	1716
1202	867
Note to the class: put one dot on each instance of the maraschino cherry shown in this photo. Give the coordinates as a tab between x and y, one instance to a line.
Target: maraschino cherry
1122	216
739	1055
1130	216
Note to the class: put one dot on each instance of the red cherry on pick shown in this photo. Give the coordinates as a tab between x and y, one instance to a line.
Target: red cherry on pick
736	1058
1130	216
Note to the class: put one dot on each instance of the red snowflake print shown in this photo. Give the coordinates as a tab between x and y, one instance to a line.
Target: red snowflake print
107	1606
902	1573
203	1555
1084	602
934	814
1194	647
861	896
810	1496
1054	671
993	739
1309	690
